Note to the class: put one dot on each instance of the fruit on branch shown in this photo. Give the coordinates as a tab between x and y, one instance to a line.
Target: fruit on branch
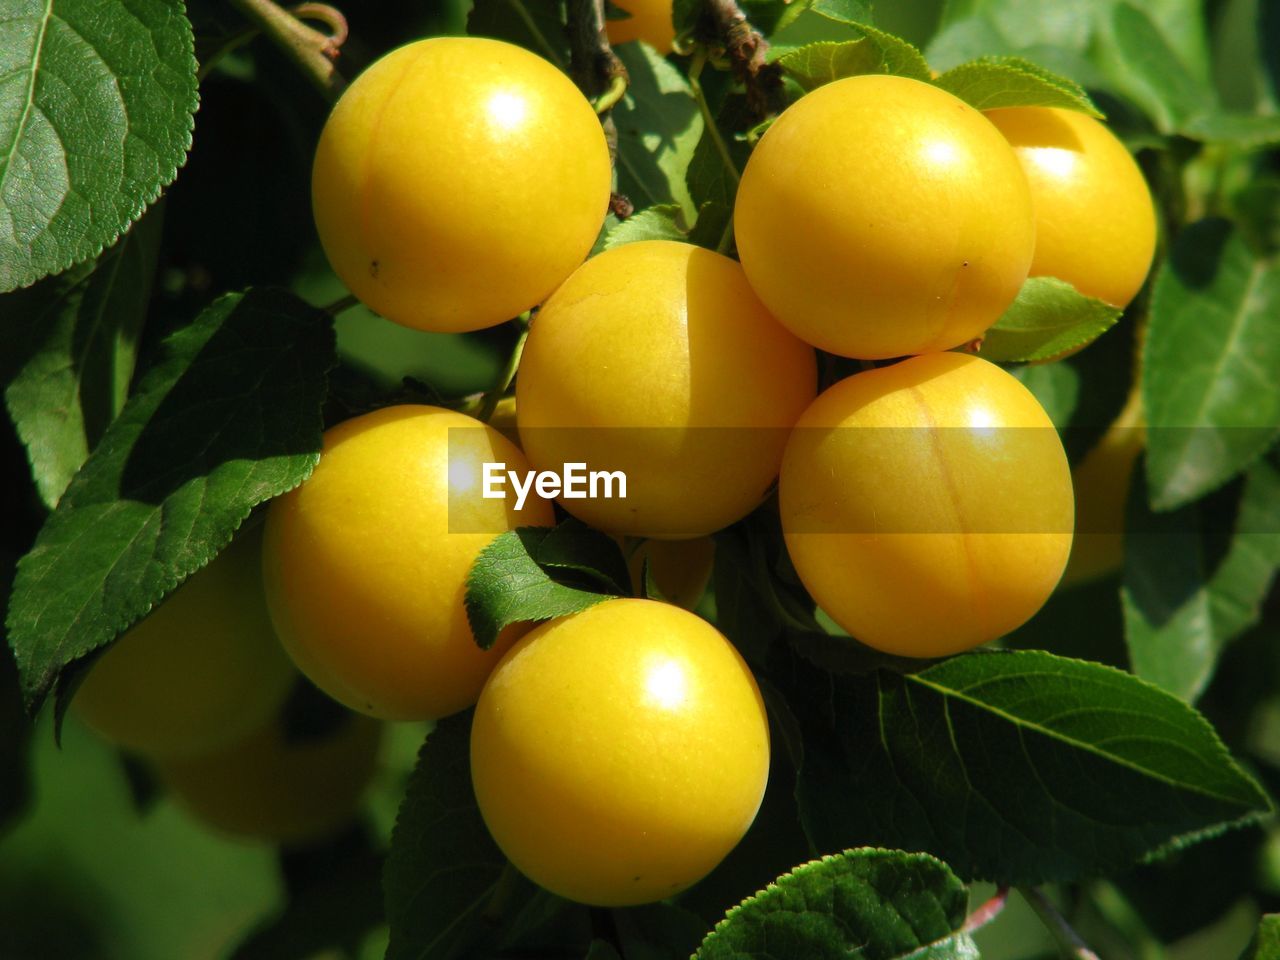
679	569
927	505
656	359
1101	482
458	181
202	670
365	564
620	753
649	20
880	216
272	787
1095	219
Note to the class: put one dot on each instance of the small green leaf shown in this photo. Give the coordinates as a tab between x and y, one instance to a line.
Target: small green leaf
1048	318
992	82
96	105
659	126
654	223
816	64
536	573
1210	393
1019	767
443	867
854	12
1266	942
1182	602
872	904
875	51
227	418
68	346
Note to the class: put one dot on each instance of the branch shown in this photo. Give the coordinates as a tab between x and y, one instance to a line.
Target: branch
597	71
746	49
987	912
1071	946
314	51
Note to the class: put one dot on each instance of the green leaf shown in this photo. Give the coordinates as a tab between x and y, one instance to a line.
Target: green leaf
659	126
537	25
1015	766
1266	942
872	904
655	223
602	950
228	417
536	573
1048	318
68	346
709	177
1182	601
992	82
1208	385
1244	131
444	868
1068	26
1152	71
874	51
96	105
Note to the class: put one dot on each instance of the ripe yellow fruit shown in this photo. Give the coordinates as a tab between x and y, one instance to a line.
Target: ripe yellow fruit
620	753
1101	481
366	563
1095	220
650	21
880	216
458	181
680	569
656	359
267	787
927	505
201	671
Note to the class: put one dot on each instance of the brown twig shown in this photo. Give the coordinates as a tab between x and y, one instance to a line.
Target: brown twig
746	49
595	67
1070	943
314	51
986	912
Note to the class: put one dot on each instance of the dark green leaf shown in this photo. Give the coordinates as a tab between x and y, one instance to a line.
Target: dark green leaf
536	573
602	950
1153	72
658	130
1210	393
443	867
1266	942
658	931
993	82
68	346
228	417
96	105
1048	318
713	174
1182	604
1015	766
872	904
537	25
15	726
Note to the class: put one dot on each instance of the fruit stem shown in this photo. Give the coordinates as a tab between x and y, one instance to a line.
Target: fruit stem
747	50
341	305
313	51
709	121
1070	944
607	100
489	402
987	912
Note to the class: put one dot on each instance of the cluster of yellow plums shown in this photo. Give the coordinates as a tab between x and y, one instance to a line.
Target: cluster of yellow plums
619	753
